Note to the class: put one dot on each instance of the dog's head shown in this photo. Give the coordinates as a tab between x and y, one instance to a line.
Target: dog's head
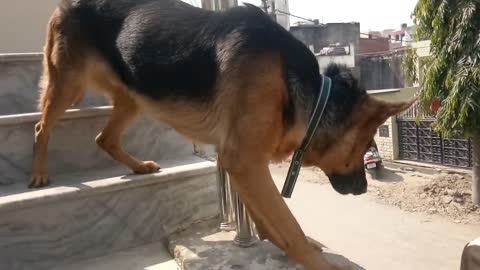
346	131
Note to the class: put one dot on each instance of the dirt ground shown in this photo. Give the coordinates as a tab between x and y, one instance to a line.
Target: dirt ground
442	194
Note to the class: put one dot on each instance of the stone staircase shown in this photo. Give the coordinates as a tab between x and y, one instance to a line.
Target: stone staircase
95	213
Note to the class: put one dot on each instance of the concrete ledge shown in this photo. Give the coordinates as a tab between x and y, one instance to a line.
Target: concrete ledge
18	57
45	228
381	91
72	148
23	118
203	247
148	257
425	168
73	187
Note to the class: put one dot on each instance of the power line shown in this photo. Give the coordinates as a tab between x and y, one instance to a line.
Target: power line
289	14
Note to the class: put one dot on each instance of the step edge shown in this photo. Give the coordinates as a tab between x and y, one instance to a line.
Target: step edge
20	57
19	201
13	119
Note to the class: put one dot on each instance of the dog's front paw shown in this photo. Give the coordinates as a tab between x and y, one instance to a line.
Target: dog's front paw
147	167
316	245
39	180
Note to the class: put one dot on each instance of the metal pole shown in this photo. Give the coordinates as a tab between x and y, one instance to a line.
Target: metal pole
246	236
226	204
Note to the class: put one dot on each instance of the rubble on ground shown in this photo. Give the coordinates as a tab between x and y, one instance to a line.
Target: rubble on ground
443	194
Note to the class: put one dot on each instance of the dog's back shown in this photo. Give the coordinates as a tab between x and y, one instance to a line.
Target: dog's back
167	48
188	67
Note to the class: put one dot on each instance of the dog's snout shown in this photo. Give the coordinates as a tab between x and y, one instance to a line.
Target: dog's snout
354	183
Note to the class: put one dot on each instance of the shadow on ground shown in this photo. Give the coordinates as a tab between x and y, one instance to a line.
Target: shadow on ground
387	175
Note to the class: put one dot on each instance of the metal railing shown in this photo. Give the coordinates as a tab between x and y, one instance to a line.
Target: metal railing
233	213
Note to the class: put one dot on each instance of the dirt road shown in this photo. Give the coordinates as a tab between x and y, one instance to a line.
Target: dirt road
377	236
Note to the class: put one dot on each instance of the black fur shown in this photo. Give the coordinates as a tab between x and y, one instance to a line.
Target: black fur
345	94
168	49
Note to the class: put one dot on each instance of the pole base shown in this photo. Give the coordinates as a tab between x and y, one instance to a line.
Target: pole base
226	227
245	242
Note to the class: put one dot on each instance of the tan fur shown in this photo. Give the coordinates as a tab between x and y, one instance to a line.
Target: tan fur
245	124
347	154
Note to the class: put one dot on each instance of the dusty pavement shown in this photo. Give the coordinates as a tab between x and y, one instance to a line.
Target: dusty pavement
374	234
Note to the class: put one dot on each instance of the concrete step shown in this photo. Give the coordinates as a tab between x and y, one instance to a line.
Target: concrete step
72	148
204	247
86	215
19	77
148	257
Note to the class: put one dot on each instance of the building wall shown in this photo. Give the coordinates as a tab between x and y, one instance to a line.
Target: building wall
283	19
388	146
423	48
23	24
398	94
325	34
382	71
317	37
348	60
367	45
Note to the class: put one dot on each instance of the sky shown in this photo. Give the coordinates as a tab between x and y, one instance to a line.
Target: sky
371	14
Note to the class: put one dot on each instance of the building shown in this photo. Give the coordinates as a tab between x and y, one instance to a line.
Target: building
26	32
399	37
281	13
373	43
217	4
331	42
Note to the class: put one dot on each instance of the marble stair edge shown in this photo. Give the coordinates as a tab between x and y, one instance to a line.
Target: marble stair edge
48	233
75	186
72	146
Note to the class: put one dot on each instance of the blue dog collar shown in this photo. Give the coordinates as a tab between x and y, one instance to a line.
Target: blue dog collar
315	118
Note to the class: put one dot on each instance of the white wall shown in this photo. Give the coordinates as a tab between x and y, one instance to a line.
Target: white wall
348	60
283	19
23	24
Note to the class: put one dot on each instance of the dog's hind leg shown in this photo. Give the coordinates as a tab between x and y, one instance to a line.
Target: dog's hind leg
58	98
60	85
124	111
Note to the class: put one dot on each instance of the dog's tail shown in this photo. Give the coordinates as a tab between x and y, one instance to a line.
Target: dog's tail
54	55
49	71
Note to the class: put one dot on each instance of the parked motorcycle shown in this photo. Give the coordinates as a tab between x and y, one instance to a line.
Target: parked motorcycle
373	161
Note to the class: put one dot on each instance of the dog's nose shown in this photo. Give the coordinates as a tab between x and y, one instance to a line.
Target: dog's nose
354	183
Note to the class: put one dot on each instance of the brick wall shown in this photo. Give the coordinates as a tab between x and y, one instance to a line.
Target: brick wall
387	142
367	45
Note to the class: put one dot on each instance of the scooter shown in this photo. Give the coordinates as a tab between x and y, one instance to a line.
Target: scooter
373	161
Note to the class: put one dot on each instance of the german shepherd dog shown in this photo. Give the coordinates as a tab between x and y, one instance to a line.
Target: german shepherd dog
234	79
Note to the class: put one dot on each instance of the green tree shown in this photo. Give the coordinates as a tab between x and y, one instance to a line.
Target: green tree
452	71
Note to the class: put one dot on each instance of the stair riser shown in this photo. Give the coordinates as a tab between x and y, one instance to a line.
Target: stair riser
72	146
41	237
19	93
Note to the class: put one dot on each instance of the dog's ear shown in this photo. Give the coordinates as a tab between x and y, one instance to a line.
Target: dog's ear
383	109
393	108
